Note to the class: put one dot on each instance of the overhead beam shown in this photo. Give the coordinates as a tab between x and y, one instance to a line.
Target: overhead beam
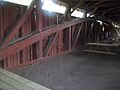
108	10
109	4
66	14
65	25
98	3
97	6
87	5
93	11
16	27
78	5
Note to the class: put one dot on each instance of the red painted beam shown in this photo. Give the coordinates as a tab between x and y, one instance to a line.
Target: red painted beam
18	24
70	39
34	61
1	23
90	31
60	42
60	27
32	38
77	35
19	45
50	45
40	26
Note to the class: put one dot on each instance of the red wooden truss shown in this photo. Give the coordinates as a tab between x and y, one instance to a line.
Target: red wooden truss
29	34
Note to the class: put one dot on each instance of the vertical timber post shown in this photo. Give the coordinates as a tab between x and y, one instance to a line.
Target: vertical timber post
70	28
40	26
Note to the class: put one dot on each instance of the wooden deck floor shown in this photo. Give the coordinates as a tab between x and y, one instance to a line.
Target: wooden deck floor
10	81
76	71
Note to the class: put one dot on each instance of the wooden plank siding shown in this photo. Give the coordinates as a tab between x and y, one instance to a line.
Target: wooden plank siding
31	30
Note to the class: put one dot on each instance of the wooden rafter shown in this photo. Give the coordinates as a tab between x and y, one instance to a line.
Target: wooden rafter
93	11
66	14
96	7
78	5
98	3
110	9
109	4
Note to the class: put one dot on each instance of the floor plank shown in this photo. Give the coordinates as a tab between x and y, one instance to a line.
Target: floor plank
10	81
76	71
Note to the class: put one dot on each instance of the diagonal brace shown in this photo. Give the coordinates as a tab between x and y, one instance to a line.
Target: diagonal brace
18	24
77	35
50	44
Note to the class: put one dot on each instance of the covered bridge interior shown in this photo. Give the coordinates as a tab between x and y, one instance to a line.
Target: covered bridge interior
62	44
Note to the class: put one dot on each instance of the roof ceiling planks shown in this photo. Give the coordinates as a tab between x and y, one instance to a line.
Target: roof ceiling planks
108	8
